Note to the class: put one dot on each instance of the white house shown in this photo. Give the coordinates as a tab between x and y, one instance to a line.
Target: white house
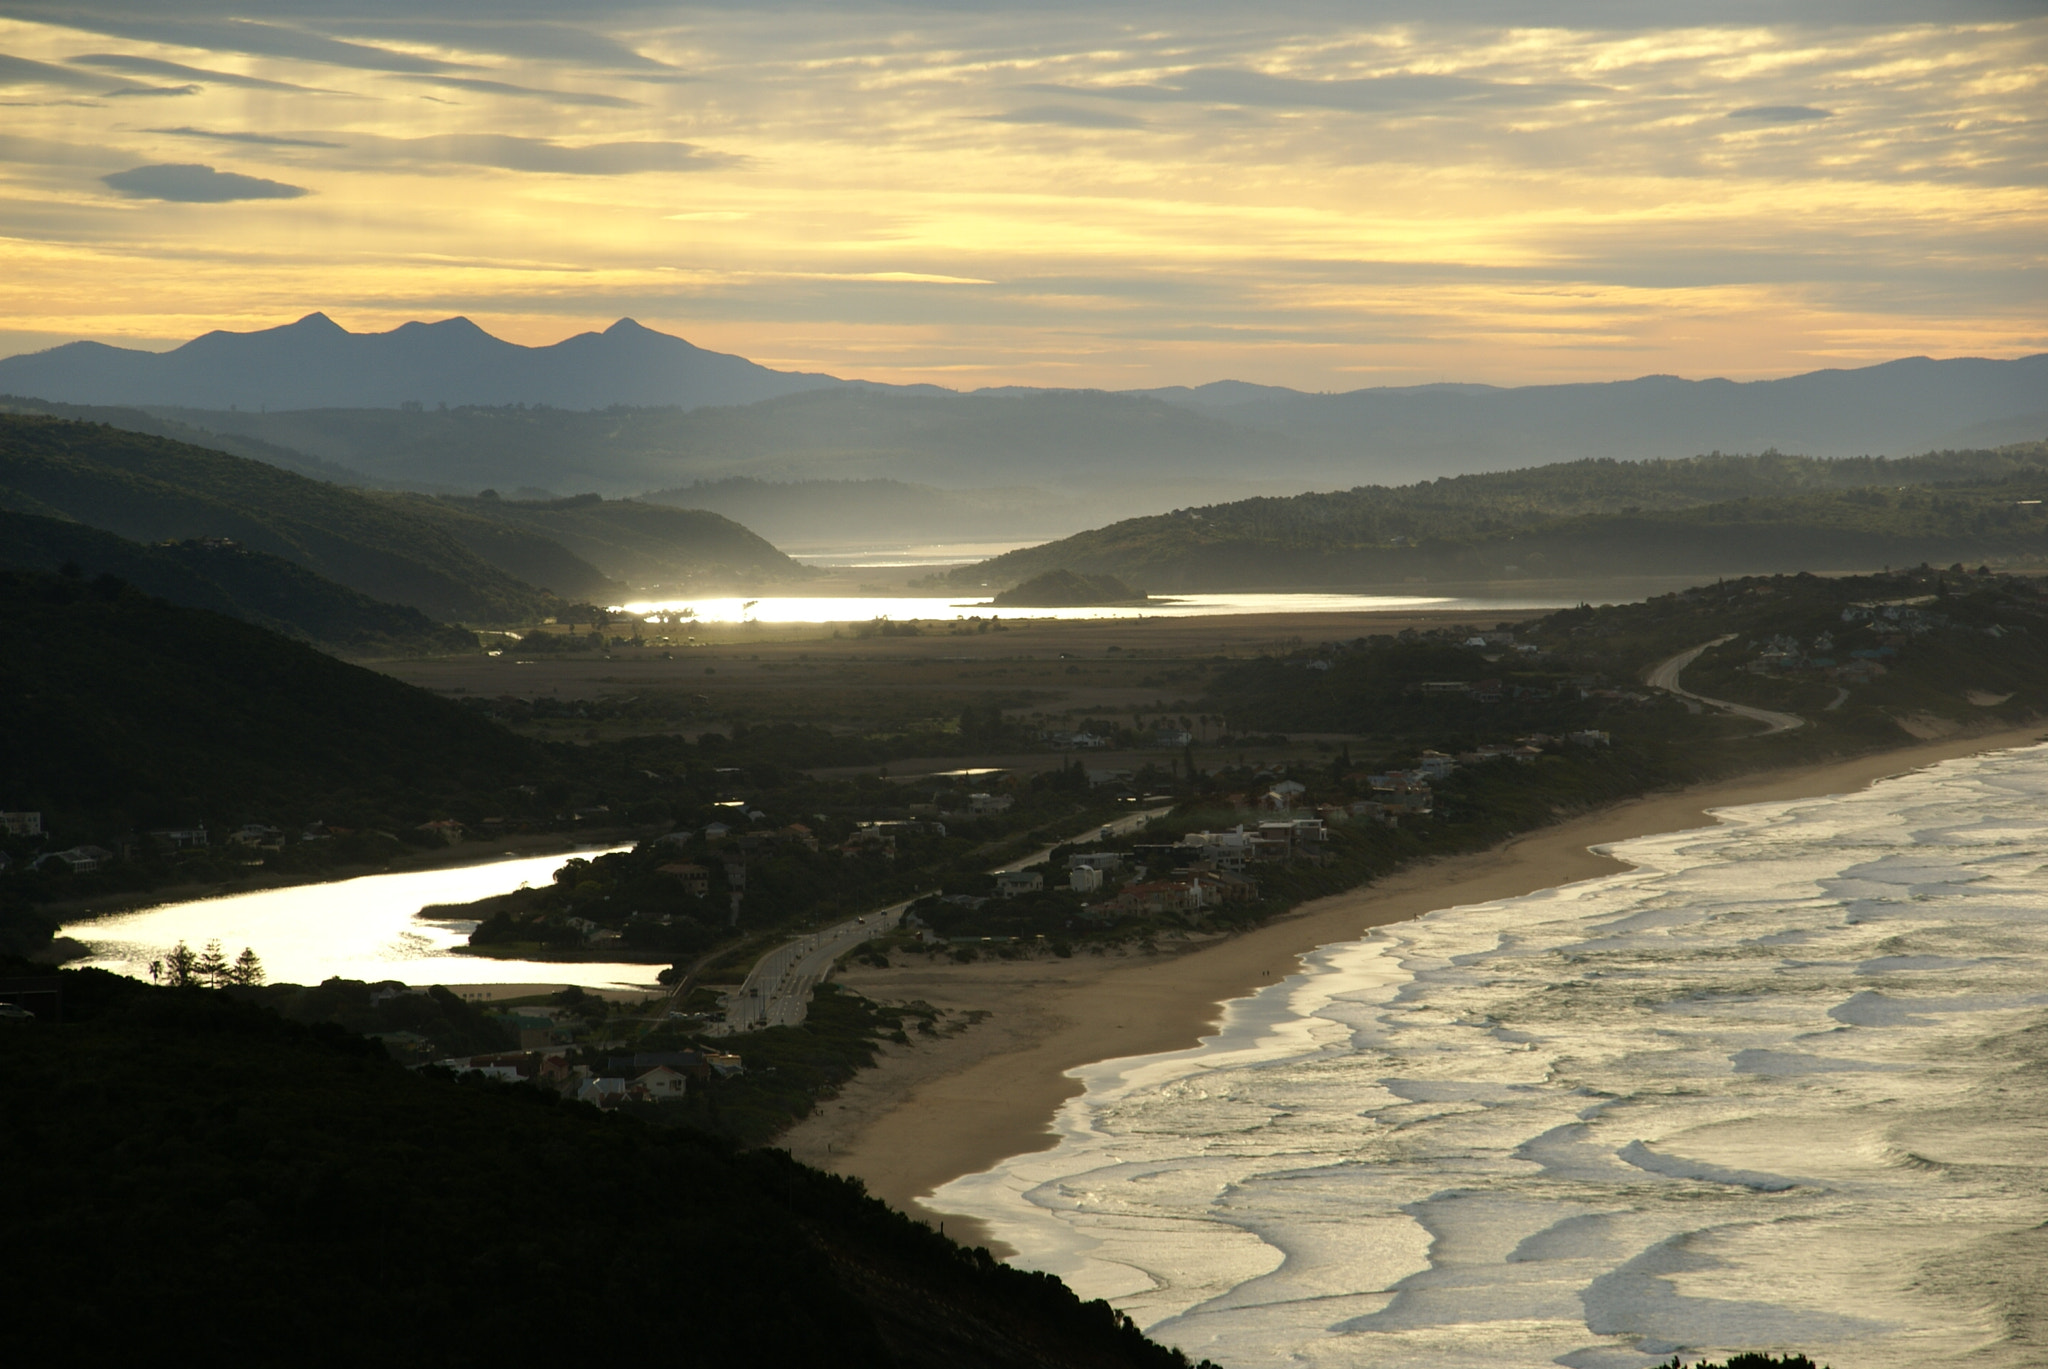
1084	879
1010	883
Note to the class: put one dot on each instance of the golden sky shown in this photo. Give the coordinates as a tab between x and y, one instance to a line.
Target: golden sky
1320	195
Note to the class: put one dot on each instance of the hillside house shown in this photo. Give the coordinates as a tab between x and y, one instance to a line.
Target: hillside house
21	824
660	1085
1084	879
1011	883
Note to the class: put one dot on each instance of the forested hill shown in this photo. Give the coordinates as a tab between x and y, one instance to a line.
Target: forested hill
297	1198
1707	515
151	489
120	705
254	586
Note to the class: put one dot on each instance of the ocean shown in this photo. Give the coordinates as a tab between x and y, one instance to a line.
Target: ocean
1782	1085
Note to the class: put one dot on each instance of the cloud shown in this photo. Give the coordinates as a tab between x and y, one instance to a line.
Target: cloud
259	139
190	183
1781	114
151	66
23	71
1064	116
154	90
560	97
1400	92
510	153
248	36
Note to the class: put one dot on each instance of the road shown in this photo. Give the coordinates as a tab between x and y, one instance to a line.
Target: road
1664	676
778	991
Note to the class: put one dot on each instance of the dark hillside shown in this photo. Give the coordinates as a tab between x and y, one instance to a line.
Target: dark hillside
254	586
120	703
152	489
312	1203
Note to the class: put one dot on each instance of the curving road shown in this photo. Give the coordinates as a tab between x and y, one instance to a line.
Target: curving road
1664	676
778	991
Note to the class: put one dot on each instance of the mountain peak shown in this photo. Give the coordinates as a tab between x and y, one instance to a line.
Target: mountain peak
315	322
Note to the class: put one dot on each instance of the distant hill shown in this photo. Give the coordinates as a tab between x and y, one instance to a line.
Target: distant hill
1914	404
651	547
253	586
136	420
150	489
315	363
1704	516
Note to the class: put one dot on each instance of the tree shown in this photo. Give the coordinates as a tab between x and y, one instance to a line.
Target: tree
181	966
247	971
213	966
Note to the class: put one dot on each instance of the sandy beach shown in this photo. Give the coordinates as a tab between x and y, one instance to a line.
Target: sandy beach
985	1091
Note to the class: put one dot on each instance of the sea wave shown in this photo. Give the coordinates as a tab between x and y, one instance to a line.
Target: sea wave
1780	1085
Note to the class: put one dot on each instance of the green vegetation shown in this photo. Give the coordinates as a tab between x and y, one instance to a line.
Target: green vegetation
276	1177
226	577
1063	588
1707	515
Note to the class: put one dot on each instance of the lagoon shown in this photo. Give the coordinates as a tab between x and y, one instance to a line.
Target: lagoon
366	928
863	609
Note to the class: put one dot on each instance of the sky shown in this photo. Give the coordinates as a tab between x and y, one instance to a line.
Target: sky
1321	195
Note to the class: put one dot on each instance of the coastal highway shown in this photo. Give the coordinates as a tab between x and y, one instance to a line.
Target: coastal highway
778	991
1664	676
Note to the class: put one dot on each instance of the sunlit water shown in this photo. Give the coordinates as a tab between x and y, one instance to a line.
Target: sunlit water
1784	1085
860	610
366	928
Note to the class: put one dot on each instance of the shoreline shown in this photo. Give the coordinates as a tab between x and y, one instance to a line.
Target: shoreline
935	1111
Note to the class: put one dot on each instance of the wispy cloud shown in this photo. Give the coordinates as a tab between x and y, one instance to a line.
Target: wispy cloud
248	139
1064	116
154	66
560	97
509	152
1781	114
191	183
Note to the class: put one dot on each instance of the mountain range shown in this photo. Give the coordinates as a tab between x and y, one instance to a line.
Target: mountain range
632	409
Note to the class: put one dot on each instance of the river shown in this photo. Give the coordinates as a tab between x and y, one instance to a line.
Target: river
367	928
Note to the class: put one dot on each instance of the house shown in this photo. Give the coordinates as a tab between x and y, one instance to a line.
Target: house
716	831
1011	883
1084	879
985	805
1098	778
796	834
445	830
695	879
259	835
1181	895
661	1085
21	824
1436	765
181	838
1109	862
725	1066
80	860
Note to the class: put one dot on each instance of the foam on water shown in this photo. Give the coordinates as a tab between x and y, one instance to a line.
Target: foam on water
1782	1085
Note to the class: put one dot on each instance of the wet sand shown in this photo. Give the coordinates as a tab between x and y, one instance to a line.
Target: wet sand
937	1109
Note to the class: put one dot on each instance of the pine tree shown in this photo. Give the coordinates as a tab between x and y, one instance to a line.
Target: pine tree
213	966
247	970
181	966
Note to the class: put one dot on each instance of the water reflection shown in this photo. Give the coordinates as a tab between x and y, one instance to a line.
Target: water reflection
860	610
367	928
